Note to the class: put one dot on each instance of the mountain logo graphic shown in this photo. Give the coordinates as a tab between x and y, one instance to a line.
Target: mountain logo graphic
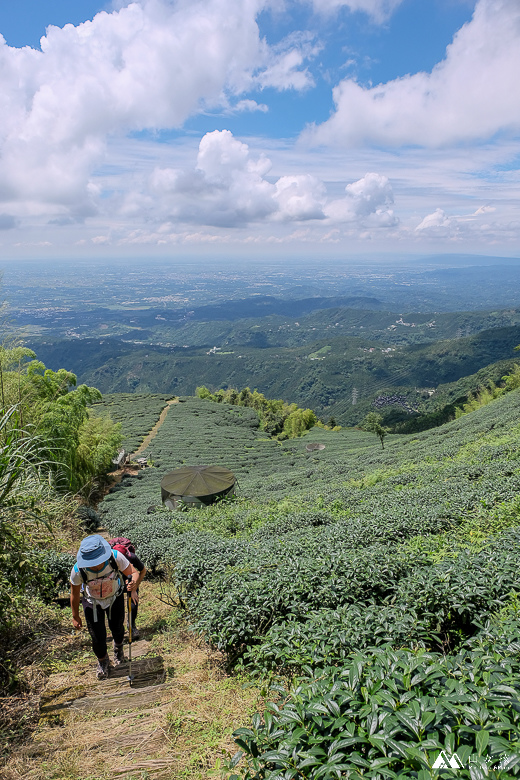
445	761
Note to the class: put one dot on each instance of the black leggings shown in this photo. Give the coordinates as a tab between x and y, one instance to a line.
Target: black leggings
98	629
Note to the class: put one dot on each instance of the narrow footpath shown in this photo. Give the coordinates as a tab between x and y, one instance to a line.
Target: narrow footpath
153	433
174	723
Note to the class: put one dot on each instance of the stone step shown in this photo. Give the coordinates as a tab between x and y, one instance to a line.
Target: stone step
117	691
127	698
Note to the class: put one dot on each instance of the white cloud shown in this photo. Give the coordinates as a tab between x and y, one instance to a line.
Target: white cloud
367	200
149	65
285	63
300	197
485	210
475	228
439	219
470	95
249	105
230	187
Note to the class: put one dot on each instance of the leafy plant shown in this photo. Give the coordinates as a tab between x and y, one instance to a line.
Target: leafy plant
389	713
27	505
373	424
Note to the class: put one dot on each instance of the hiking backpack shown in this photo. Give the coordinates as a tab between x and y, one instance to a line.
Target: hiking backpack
124	545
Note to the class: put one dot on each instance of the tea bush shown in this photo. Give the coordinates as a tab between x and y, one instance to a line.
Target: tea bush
389	713
385	580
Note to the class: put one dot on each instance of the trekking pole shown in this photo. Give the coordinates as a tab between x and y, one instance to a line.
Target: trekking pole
129	603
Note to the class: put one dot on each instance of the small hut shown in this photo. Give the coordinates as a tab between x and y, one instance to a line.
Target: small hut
196	486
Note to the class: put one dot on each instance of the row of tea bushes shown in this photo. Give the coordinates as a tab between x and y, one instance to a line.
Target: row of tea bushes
388	713
137	413
396	557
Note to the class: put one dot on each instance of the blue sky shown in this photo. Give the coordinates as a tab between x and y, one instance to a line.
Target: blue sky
320	128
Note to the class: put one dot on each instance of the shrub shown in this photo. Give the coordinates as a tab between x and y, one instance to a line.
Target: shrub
389	713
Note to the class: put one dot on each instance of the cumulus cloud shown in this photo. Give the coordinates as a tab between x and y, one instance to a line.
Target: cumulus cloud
225	188
470	95
230	187
300	197
439	219
367	200
149	65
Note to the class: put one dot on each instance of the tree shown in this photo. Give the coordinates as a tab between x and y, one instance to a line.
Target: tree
512	380
98	439
372	424
57	411
299	421
203	392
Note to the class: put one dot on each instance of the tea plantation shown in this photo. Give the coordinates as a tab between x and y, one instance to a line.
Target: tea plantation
137	411
377	589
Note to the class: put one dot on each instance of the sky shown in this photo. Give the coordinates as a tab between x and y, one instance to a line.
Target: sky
312	128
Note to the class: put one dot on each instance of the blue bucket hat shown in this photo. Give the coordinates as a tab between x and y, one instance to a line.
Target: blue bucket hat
93	550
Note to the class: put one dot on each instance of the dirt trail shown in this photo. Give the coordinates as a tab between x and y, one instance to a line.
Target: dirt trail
174	723
153	433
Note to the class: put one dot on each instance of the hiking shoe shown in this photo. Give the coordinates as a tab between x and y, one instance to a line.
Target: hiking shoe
102	668
119	655
135	633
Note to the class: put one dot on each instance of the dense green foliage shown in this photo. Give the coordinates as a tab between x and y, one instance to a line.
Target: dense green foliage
277	418
387	714
50	446
75	443
399	563
28	509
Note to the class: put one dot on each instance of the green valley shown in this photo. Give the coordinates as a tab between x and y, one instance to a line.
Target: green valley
348	375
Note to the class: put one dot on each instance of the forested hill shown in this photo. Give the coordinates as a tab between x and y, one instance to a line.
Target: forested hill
336	376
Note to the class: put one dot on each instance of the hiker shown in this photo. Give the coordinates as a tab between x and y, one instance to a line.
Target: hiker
125	546
97	579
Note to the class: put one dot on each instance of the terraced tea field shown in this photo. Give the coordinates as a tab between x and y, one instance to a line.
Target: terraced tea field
379	586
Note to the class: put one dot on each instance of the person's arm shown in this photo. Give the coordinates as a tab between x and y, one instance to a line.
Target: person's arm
134	574
142	575
75	591
141	568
